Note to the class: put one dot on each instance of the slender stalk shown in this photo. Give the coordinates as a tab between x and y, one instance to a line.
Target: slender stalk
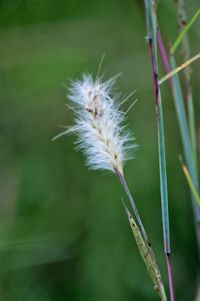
143	242
191	184
184	28
124	184
152	29
164	57
169	268
184	132
185	52
179	68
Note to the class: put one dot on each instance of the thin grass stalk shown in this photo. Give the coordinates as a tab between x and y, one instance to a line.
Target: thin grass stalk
185	134
179	68
164	57
185	52
178	96
184	26
152	38
191	184
182	118
142	241
132	202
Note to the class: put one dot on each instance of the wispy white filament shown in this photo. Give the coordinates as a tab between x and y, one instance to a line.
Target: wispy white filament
99	124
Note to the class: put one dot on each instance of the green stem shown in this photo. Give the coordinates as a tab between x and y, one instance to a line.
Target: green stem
152	31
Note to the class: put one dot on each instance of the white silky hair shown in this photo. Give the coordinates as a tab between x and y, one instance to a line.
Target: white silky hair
99	124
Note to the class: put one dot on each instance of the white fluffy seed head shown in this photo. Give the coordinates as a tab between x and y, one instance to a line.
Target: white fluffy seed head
99	124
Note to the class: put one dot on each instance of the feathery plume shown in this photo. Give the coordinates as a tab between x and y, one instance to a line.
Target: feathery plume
102	135
99	124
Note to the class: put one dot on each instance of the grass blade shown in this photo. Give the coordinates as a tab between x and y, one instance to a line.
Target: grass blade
191	118
151	27
185	53
179	68
190	182
148	257
180	109
189	144
184	31
152	30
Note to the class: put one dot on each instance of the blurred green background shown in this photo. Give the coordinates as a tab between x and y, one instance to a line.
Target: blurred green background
64	234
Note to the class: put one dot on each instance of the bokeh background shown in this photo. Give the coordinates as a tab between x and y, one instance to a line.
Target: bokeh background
64	234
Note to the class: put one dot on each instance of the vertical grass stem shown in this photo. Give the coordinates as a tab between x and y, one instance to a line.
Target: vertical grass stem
152	30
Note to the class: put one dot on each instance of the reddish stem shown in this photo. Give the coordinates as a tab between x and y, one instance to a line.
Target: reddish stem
164	57
170	277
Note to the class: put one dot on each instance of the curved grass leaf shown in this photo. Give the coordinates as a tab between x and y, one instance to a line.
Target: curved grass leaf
148	257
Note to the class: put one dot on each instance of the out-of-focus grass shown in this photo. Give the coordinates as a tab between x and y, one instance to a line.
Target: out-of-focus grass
63	231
